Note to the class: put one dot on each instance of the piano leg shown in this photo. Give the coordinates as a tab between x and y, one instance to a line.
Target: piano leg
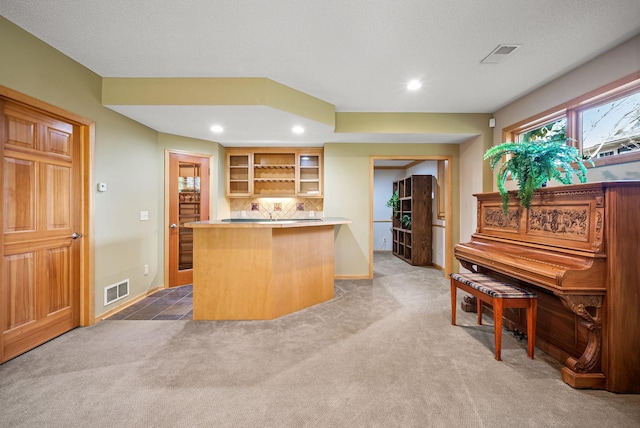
454	289
531	326
578	371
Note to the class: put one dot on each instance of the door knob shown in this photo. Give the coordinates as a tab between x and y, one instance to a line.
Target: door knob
76	235
174	226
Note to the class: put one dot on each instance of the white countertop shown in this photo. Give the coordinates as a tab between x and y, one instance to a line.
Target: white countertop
266	223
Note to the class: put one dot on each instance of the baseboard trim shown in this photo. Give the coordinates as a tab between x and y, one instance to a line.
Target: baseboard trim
351	277
128	303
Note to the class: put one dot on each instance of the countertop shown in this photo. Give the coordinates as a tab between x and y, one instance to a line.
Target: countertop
246	223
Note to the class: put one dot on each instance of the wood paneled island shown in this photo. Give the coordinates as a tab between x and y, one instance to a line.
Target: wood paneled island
260	270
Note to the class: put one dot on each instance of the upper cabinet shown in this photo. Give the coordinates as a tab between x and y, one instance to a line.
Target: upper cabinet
309	182
239	174
265	172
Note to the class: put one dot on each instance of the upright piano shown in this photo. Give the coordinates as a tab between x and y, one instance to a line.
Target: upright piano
578	248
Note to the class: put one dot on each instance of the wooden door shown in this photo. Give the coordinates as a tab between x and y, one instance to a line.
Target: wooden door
41	217
188	201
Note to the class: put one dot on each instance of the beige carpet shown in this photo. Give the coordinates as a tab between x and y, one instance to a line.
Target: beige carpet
381	354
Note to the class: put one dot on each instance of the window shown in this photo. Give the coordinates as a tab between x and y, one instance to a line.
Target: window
611	128
552	131
604	124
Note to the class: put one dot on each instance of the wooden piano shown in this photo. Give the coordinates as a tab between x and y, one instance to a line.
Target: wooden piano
578	248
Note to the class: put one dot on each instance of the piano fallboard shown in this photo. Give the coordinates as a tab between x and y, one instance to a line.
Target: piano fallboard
555	270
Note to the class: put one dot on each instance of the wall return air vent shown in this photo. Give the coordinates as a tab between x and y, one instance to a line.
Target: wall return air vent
116	292
500	53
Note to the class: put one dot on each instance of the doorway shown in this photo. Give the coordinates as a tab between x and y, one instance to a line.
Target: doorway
46	168
188	187
442	225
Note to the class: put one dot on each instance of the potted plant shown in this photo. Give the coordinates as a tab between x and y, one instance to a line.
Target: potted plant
406	221
532	163
394	203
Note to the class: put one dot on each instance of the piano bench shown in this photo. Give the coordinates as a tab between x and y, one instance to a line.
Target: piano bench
499	295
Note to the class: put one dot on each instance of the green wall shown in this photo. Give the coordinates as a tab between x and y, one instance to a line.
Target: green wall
347	183
129	157
124	158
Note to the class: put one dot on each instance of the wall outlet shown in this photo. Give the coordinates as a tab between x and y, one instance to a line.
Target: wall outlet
146	270
144	215
312	214
384	240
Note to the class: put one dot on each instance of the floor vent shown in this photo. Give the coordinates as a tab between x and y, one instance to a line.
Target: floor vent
116	292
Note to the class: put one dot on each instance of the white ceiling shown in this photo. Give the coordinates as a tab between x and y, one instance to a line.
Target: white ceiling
357	55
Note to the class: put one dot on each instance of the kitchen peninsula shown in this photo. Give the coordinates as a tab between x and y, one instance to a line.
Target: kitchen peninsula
247	269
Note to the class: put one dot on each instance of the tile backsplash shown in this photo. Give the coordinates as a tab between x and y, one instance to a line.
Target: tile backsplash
281	208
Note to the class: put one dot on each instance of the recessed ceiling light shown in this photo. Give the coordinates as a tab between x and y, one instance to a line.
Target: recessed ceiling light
298	129
217	129
413	85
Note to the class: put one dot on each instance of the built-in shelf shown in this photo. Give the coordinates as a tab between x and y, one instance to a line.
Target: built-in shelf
239	174
274	172
412	242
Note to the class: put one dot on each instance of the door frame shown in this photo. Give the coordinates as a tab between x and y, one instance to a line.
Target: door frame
165	223
448	216
86	138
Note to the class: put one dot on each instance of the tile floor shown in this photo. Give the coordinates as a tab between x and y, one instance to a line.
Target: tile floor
177	303
169	304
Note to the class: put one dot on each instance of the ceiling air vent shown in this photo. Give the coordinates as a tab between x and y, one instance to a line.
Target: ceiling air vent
500	53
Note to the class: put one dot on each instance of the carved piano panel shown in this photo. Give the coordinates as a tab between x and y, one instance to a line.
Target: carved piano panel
567	219
577	247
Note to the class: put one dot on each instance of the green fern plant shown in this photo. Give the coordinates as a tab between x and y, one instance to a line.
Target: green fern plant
394	202
533	163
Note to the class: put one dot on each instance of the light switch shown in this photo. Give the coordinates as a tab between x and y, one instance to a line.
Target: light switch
144	215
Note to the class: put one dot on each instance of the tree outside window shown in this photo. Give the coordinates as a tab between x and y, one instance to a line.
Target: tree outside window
603	124
553	131
611	128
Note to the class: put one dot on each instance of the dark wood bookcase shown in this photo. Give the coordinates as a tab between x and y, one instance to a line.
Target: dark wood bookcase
412	242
